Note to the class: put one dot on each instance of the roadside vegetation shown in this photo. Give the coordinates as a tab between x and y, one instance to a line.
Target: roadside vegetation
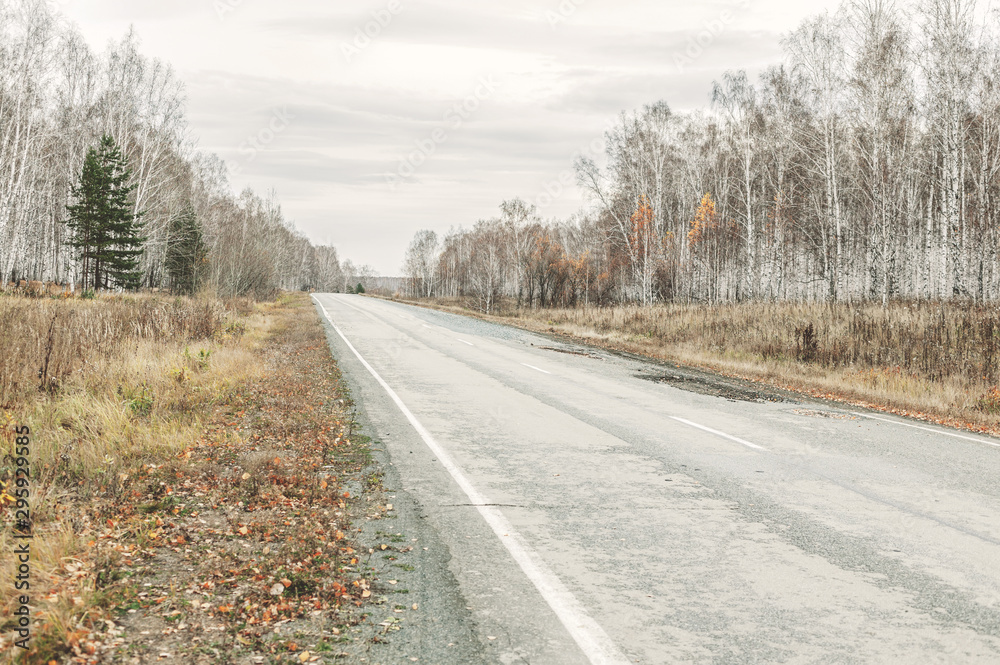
190	461
937	361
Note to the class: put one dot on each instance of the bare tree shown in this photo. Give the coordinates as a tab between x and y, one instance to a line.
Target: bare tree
421	263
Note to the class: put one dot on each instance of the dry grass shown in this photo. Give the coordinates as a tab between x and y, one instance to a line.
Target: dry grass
102	382
935	360
108	387
182	449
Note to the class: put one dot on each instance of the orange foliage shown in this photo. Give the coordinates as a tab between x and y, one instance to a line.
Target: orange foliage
704	220
642	226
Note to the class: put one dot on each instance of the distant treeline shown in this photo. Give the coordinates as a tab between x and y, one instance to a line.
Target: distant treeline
866	167
58	98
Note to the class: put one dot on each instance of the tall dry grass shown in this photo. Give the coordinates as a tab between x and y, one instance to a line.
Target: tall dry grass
108	387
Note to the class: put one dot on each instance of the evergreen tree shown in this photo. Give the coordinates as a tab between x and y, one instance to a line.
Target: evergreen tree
186	252
105	231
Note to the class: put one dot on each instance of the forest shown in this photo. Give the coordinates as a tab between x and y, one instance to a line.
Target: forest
864	167
58	98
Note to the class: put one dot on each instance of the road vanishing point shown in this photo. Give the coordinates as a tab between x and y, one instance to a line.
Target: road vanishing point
596	508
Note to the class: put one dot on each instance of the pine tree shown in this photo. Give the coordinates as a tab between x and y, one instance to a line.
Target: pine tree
186	252
84	218
105	231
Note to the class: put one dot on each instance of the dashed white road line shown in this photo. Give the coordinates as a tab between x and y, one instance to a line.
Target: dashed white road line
587	633
537	369
455	338
718	433
926	429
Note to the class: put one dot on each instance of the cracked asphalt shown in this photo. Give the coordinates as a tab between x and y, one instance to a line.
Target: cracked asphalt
584	507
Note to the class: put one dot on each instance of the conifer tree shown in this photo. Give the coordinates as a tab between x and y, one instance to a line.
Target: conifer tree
186	252
105	231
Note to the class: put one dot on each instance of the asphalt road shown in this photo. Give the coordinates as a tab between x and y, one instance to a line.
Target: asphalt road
601	509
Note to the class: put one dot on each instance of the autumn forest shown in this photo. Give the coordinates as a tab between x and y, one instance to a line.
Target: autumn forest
866	167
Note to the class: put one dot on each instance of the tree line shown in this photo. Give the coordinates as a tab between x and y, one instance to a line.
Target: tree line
866	166
62	106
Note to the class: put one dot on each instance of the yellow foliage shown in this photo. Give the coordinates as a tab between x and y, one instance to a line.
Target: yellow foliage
704	220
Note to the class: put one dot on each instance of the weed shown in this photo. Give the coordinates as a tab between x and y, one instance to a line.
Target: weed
990	401
139	402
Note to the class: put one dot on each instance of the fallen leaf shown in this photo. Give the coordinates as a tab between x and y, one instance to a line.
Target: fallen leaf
304	657
277	589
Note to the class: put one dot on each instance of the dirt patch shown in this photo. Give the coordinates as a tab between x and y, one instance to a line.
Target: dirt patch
572	352
704	385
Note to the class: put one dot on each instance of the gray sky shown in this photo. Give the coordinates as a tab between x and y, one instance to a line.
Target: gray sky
448	109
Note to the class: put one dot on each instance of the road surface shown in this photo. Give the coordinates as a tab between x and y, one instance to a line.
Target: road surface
601	509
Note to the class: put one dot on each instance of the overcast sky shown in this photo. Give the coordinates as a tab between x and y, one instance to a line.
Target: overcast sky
449	109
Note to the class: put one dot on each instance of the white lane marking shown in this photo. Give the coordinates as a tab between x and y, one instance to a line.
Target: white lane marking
586	632
718	433
425	325
926	429
537	369
464	342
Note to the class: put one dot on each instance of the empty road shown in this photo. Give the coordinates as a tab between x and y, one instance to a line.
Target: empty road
601	509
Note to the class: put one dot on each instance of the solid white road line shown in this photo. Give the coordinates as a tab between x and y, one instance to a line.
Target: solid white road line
718	433
927	429
537	369
587	633
464	342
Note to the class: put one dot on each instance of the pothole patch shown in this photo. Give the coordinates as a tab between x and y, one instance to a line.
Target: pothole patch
813	413
572	352
716	388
